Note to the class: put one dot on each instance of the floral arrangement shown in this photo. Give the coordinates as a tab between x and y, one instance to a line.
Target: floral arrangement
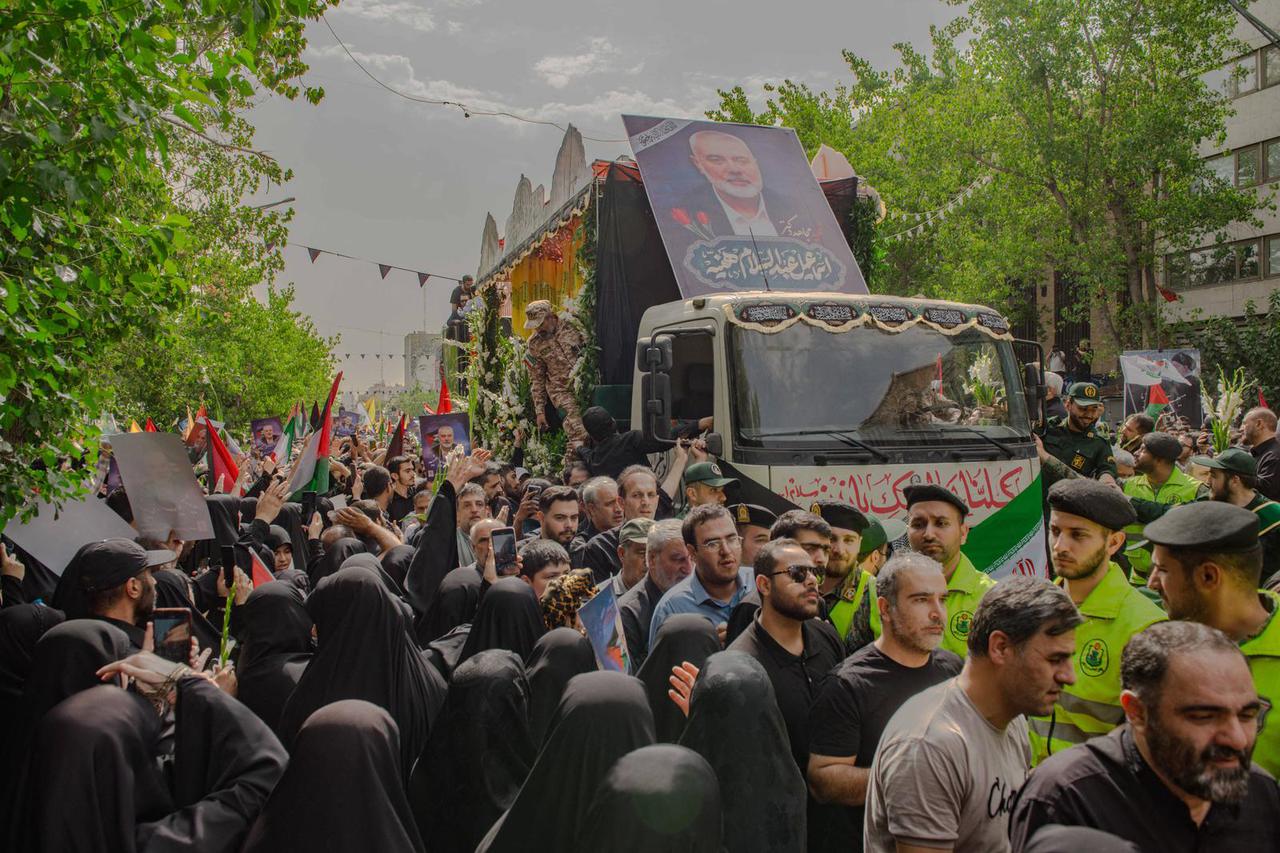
984	379
1230	401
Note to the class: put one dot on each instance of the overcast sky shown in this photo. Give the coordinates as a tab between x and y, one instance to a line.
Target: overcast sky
409	184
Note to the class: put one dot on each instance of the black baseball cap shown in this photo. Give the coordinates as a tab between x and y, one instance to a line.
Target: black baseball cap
109	563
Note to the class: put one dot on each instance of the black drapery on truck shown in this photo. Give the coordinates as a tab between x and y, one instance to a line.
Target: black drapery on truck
706	284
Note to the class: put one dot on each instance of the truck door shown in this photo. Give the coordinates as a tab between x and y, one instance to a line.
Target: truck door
692	376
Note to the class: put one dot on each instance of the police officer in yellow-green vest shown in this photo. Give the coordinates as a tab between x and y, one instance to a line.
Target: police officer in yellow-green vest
936	528
1086	529
848	591
1158	481
1206	564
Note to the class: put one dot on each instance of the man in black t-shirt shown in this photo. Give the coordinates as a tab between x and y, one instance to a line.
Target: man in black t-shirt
856	703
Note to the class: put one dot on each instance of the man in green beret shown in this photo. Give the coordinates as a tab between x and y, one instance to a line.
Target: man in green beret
1206	565
1072	446
1233	479
1159	480
1086	529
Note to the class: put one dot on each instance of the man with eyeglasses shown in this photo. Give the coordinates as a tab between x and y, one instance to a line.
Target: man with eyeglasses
1177	774
1207	564
718	581
795	647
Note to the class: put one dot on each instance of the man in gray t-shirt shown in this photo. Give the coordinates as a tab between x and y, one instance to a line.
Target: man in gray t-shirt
953	758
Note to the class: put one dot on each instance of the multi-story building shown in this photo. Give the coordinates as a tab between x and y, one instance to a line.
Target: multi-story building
1220	279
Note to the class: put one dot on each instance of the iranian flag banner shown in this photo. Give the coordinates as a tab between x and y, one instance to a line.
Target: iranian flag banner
311	472
1011	541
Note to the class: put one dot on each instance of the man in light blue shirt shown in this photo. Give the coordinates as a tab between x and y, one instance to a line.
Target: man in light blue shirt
718	581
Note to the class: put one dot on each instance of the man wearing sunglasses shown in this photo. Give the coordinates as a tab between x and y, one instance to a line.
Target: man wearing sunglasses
796	648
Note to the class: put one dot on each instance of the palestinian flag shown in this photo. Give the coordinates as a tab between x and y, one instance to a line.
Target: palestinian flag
294	429
396	447
223	471
150	426
259	573
1157	401
315	415
311	473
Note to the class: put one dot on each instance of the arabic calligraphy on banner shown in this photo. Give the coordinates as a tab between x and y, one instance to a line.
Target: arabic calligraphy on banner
738	263
986	487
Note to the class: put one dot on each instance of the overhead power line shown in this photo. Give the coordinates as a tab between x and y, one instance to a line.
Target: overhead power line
467	110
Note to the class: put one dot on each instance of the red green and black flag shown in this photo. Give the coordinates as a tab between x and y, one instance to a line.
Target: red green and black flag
311	471
223	471
1157	401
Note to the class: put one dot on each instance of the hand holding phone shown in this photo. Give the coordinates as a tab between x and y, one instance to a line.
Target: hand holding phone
172	630
503	543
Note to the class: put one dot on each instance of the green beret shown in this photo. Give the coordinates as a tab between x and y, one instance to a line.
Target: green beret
1096	501
878	532
757	516
840	515
1162	446
920	494
1214	526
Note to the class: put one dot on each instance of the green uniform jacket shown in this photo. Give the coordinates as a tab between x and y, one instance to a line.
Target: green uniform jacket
964	591
1180	488
1263	653
1086	453
1113	612
1268	513
857	595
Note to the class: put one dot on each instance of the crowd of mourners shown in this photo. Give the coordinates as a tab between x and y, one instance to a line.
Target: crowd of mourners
812	678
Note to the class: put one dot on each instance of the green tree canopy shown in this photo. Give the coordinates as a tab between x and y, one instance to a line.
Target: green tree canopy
1087	116
97	100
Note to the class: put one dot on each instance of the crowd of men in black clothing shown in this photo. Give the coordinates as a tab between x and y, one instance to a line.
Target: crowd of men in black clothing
807	680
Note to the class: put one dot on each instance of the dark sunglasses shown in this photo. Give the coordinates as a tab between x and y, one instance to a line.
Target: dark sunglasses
798	573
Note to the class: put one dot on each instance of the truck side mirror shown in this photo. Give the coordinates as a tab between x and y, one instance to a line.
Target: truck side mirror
655	388
654	354
1034	389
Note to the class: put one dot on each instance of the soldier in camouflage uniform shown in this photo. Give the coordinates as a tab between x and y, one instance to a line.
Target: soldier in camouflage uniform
554	348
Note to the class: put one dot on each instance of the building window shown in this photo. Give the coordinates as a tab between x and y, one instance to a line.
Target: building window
1271	66
1247	163
1247	260
1223	167
1245	74
1273	255
1175	270
1273	159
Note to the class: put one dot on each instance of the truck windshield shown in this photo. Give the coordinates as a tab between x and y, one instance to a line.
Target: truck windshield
806	387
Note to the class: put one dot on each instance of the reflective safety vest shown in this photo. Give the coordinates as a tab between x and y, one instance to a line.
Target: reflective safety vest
1180	488
852	593
964	591
1263	653
1114	611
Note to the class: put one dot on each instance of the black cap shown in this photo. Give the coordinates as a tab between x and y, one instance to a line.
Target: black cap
840	515
930	492
752	514
1098	502
109	563
1162	446
1214	526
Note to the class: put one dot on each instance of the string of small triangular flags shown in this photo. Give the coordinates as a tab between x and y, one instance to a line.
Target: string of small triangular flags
383	269
937	215
346	356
